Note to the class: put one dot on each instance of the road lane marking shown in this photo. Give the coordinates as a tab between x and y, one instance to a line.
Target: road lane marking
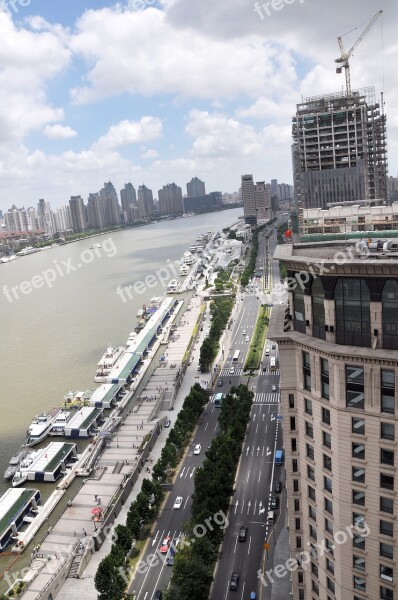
193	470
259	477
236	506
250	541
182	472
206	425
248	475
248	506
236	541
186	501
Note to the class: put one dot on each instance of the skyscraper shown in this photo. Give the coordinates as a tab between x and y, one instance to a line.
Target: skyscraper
170	200
128	199
262	197
45	217
339	150
16	220
111	205
145	201
95	211
338	358
249	201
196	187
77	213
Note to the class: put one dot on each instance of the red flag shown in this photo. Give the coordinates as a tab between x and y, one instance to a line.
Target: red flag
288	233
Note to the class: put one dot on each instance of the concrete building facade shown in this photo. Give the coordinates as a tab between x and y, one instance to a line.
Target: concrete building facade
348	219
170	200
196	187
338	354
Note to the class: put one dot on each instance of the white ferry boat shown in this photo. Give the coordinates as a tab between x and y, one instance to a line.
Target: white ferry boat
60	422
14	462
22	474
107	362
199	249
173	286
156	301
131	338
192	248
184	269
41	426
200	237
188	258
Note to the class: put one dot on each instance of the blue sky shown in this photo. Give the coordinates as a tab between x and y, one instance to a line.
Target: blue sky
158	91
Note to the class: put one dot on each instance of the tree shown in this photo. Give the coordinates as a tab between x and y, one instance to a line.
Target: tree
206	355
134	521
108	581
123	537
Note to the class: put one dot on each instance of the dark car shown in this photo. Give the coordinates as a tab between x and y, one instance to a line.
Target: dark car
274	503
242	533
220	383
273	346
158	595
278	487
234	583
170	560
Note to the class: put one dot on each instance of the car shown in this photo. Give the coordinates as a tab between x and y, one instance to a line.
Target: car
244	332
232	371
170	559
164	548
199	369
234	582
271	515
197	449
158	595
220	383
242	533
247	338
278	487
274	503
178	502
167	423
273	346
267	352
273	388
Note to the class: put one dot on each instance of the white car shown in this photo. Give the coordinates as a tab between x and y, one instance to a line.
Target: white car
244	332
247	339
197	449
274	388
178	502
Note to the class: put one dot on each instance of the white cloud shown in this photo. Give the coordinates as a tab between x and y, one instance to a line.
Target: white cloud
130	132
151	153
59	132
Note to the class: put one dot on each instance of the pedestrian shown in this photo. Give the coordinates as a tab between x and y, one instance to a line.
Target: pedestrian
84	531
74	533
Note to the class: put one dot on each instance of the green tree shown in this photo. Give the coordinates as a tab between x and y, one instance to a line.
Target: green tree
108	581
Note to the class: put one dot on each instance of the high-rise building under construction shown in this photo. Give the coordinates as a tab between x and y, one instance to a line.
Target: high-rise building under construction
339	149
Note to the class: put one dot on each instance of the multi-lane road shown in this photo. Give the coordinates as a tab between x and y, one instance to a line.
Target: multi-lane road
255	478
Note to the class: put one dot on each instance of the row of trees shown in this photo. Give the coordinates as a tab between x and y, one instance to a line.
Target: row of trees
258	340
214	485
113	573
221	309
251	266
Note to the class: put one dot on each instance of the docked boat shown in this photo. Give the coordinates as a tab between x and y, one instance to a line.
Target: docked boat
184	270
188	258
131	338
14	463
7	259
200	237
77	400
107	362
40	427
199	249
60	422
21	474
156	302
192	248
173	286
141	312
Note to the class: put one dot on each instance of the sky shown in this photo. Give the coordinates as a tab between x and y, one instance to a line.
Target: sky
156	91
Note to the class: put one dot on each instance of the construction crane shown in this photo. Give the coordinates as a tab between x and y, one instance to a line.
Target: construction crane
343	61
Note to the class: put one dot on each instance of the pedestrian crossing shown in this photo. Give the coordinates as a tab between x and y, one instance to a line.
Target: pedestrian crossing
269	371
226	372
266	398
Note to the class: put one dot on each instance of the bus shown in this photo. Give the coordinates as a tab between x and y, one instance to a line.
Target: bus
279	457
272	363
218	398
236	357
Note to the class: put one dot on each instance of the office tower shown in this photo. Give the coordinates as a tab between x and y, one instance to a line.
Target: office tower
63	220
170	200
111	206
128	199
95	211
196	187
77	214
249	201
339	149
262	198
145	201
338	358
16	220
45	217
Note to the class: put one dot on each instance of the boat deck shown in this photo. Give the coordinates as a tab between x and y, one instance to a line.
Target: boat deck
12	503
52	456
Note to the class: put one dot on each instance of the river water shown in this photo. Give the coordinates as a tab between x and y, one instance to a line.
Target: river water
64	310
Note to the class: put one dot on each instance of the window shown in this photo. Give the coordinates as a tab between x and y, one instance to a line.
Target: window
387	431
327	484
298	541
358	451
291	400
386	573
297	505
329	546
327	462
386	550
386	594
352	302
314	569
387	457
329	506
310	451
330	566
311	472
298	524
329	526
306	371
358	474
327	439
359	584
294	465
315	587
355	387
358	520
358	563
386	528
386	481
294	445
295	485
358	426
311	493
387	391
358	541
358	497
298	309
390	307
309	429
386	505
301	595
312	512
300	576
308	406
330	584
318	309
326	416
325	378
292	423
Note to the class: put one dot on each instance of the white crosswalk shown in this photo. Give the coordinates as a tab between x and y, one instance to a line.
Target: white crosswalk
266	398
268	371
226	372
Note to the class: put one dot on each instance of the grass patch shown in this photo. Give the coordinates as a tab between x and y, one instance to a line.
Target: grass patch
258	340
